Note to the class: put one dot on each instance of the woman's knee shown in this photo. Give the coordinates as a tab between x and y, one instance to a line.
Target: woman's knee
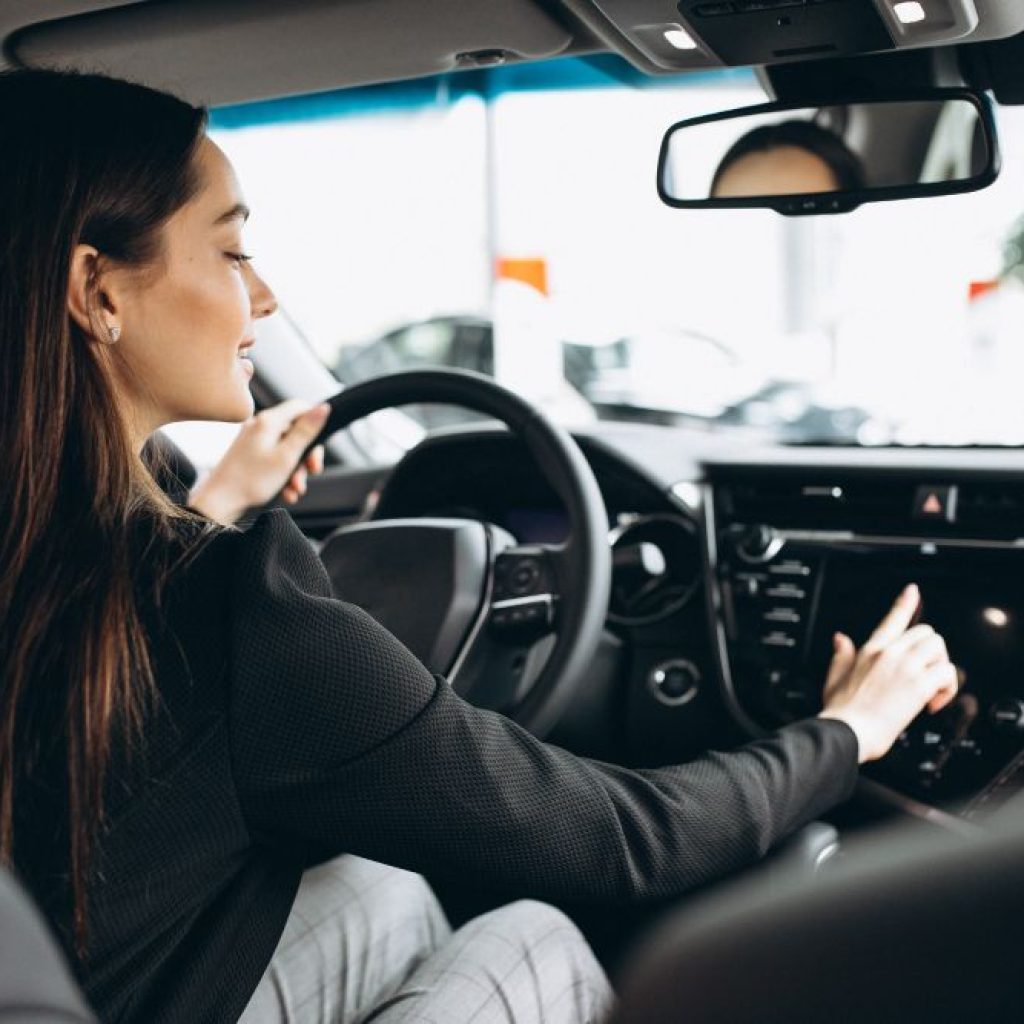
357	930
531	922
539	932
524	961
379	892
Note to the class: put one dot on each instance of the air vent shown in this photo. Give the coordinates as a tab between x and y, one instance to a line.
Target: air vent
818	502
992	507
656	569
874	504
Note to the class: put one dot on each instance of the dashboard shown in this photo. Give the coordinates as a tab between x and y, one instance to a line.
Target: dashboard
800	554
732	569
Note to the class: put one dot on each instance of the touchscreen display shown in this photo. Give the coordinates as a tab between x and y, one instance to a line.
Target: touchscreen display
974	598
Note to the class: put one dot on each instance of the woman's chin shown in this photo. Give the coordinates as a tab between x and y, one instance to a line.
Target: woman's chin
243	408
234	408
230	403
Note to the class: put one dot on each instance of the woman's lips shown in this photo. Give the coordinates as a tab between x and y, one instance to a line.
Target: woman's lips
243	353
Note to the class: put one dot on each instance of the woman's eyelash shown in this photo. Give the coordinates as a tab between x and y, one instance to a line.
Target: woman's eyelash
241	257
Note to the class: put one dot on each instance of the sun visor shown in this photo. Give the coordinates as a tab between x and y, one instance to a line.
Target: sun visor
220	52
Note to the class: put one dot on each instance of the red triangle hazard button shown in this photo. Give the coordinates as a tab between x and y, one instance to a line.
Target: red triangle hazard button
936	503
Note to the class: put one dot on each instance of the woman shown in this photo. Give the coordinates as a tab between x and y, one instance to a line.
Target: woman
790	158
190	720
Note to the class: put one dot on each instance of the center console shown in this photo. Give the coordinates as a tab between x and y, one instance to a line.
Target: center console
798	557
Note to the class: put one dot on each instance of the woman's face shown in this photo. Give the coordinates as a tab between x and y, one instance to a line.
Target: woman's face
186	323
779	171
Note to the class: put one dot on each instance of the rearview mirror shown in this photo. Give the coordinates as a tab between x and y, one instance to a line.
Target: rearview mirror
806	159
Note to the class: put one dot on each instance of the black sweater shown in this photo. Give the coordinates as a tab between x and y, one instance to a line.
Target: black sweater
292	727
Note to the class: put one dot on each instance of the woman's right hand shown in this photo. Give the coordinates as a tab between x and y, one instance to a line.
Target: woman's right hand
881	688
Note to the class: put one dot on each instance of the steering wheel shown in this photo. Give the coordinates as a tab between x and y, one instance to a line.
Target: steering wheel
465	597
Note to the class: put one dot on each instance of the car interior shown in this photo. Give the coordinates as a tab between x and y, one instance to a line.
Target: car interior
644	558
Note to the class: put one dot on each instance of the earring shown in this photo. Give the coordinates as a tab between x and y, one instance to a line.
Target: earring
115	333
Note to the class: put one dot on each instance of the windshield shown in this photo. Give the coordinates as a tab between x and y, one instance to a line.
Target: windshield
508	222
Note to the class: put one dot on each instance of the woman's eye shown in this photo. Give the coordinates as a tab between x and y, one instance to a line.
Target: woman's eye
238	257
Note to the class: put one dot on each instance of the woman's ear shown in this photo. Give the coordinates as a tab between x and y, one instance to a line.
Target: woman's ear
91	303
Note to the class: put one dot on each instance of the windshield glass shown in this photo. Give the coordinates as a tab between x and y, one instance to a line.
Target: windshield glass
508	222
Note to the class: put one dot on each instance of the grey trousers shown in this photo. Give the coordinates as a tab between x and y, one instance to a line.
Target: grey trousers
369	943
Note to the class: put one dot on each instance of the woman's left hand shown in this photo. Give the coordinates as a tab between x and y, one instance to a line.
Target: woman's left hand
262	461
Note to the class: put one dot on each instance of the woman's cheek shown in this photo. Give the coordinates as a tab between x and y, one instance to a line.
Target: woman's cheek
224	305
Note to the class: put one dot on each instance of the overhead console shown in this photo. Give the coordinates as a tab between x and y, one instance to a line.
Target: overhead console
755	32
798	554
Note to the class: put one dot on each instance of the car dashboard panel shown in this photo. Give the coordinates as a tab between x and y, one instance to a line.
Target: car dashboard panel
801	555
723	606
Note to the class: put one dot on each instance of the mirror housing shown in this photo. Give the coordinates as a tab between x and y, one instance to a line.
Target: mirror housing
808	158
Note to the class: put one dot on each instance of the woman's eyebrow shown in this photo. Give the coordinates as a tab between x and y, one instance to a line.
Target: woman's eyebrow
238	210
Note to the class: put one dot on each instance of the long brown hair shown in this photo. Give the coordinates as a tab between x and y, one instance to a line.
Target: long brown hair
87	159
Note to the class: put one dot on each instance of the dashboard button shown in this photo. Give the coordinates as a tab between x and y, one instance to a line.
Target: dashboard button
936	503
791	567
789	615
1007	715
778	638
747	585
674	682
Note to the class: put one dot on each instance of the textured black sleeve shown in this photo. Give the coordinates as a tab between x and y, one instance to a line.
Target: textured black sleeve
344	741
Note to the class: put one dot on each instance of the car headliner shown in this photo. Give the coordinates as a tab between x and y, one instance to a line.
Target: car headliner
226	51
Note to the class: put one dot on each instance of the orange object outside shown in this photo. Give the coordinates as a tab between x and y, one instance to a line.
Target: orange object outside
533	272
976	289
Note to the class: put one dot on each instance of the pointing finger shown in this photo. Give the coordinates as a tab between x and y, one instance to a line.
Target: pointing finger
896	623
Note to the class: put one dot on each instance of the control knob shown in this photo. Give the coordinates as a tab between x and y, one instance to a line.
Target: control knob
757	544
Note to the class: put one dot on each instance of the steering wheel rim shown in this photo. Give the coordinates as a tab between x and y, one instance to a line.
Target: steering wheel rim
585	583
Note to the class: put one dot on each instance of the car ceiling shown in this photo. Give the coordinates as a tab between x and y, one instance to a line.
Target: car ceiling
219	52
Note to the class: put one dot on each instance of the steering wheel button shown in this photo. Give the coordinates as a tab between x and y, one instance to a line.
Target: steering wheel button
523	577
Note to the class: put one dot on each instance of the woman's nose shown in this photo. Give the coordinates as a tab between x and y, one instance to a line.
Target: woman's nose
264	301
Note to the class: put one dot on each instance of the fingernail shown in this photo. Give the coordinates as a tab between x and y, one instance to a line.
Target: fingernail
910	590
323	410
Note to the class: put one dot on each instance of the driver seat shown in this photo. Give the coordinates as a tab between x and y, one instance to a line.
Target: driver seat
915	926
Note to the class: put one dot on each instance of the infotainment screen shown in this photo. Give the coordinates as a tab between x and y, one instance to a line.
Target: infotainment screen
974	598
